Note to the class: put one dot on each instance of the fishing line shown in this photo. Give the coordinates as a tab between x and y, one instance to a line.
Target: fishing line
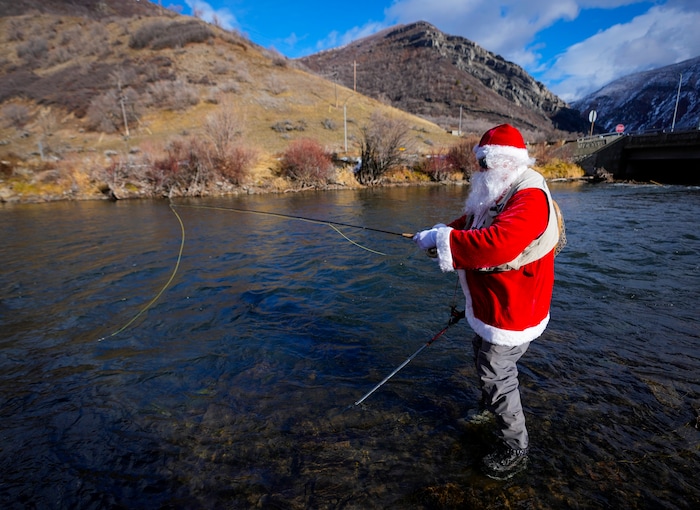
332	224
167	284
172	206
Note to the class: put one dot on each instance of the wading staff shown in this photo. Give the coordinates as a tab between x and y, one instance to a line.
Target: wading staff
455	316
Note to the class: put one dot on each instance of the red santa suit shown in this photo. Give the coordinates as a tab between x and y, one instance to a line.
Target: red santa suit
505	257
505	306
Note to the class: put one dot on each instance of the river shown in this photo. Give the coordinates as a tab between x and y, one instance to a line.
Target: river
146	363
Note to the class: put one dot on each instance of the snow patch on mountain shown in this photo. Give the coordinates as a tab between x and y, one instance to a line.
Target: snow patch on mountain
649	100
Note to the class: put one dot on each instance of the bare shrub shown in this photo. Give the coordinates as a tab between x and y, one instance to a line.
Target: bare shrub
329	124
284	126
99	41
220	67
71	36
461	157
143	36
160	35
60	56
216	94
230	87
236	164
103	113
15	115
180	34
14	31
189	166
48	121
276	86
106	113
280	61
173	95
34	49
184	170
438	167
124	76
243	74
307	163
222	128
382	147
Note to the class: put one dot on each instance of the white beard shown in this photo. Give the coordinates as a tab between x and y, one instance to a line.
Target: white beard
487	187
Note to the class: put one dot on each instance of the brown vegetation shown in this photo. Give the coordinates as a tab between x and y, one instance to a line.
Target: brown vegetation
168	105
307	164
383	147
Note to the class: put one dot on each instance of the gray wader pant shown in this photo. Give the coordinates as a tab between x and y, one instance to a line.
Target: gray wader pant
498	376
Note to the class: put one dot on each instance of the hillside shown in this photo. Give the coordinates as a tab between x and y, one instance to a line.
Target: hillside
95	9
97	91
421	70
646	101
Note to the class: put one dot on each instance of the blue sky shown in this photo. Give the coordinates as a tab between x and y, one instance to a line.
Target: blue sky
572	46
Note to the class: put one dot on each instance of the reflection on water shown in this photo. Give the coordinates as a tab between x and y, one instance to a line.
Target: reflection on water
235	388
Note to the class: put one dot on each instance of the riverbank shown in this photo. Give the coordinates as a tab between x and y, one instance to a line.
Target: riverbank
67	183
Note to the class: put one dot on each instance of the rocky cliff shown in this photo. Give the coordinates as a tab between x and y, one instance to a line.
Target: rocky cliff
418	68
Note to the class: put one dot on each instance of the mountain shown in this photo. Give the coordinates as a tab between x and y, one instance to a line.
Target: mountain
646	101
421	70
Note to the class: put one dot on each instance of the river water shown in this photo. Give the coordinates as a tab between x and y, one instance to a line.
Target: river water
235	387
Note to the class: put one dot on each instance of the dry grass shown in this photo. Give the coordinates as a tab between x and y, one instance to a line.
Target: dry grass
227	71
558	169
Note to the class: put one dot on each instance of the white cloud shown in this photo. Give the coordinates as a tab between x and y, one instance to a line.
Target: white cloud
660	37
506	27
666	34
222	17
336	39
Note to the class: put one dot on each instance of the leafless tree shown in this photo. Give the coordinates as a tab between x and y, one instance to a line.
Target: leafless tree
222	128
382	147
16	115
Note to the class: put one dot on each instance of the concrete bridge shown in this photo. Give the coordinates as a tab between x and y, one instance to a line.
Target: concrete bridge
665	157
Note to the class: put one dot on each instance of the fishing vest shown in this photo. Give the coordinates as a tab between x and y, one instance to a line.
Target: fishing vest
553	236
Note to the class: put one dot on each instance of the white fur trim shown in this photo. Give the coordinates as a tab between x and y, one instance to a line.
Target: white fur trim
505	337
492	334
501	150
443	247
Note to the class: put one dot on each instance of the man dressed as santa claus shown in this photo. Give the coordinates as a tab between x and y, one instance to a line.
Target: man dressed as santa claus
503	250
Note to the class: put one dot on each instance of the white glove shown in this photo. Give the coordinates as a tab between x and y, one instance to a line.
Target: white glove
427	239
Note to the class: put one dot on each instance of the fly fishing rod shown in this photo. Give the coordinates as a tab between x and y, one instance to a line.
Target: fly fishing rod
301	218
455	317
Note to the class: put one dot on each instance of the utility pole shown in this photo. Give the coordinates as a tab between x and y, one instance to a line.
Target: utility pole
122	100
354	75
459	132
678	96
345	126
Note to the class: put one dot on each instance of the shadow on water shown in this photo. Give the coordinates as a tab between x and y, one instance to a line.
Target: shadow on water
236	388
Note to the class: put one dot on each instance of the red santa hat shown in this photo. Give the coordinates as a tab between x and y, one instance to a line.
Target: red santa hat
503	140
